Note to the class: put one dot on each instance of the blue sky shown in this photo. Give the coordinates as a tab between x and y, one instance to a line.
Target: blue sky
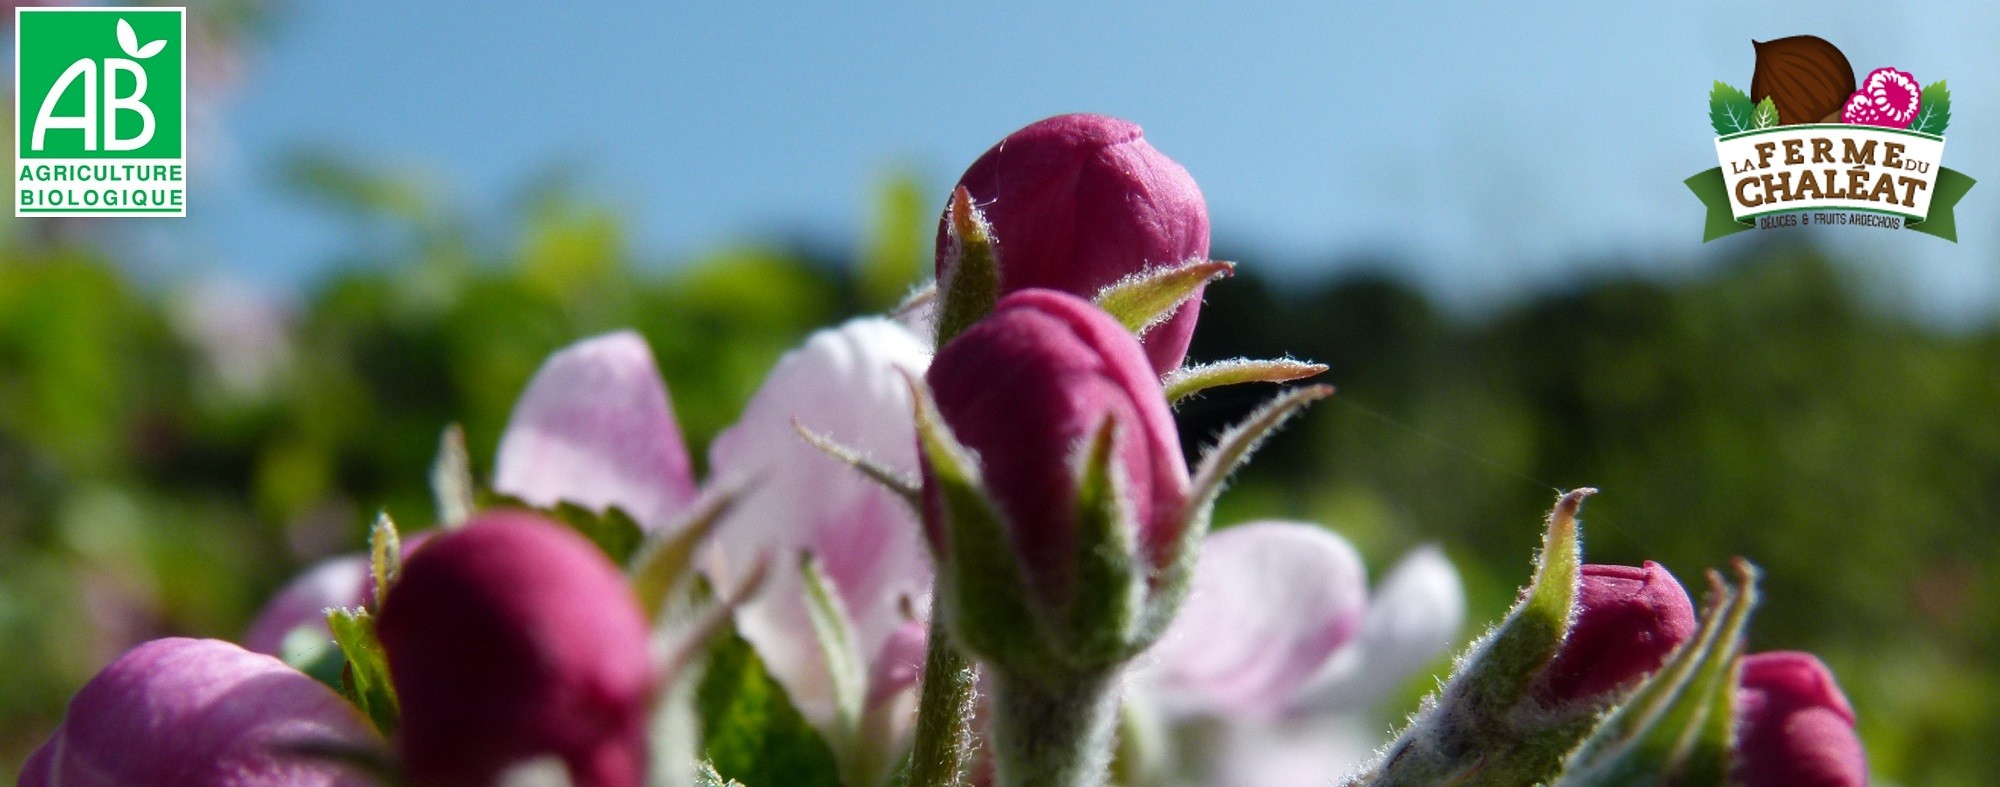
1494	147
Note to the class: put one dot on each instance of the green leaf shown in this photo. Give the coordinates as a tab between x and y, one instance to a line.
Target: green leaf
1190	380
1765	115
613	531
1729	110
1143	299
752	732
366	680
1934	113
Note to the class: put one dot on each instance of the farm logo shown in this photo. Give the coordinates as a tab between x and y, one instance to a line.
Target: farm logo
100	111
1809	147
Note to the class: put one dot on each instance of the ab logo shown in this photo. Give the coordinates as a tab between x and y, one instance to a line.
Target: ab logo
100	116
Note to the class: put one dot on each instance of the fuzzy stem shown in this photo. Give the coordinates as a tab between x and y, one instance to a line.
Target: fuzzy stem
1054	732
944	714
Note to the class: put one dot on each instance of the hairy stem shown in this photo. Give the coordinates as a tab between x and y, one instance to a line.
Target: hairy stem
1054	732
944	714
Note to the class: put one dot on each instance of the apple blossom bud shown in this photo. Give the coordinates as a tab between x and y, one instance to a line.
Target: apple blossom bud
1795	727
194	712
1077	202
1055	496
515	638
1628	620
1024	390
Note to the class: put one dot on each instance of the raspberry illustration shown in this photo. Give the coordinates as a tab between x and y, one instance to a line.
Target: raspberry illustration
1886	98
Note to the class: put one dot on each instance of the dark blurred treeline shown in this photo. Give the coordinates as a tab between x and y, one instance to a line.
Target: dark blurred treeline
169	455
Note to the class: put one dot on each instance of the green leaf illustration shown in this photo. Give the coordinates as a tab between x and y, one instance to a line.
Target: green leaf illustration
1729	110
1935	111
1766	114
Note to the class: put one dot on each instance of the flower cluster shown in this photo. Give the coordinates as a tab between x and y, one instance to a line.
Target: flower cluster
961	544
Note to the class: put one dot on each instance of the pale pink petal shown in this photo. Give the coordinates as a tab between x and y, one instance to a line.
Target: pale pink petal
302	603
1271	603
193	713
900	664
843	383
336	582
595	427
1415	617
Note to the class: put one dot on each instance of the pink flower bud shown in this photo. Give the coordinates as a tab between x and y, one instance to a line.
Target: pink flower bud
1628	619
1077	202
1025	389
515	638
196	712
1794	727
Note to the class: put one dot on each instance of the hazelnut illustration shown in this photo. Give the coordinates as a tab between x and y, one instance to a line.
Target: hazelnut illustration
1807	77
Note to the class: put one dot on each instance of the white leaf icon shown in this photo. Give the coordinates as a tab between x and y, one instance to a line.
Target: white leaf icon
129	41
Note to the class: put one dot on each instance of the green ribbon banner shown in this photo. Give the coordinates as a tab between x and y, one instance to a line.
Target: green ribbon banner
1713	191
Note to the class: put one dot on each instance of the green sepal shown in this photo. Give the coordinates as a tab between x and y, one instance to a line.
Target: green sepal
1466	733
662	562
848	677
971	281
1231	450
1190	380
452	487
1104	609
1145	299
888	477
705	776
385	556
981	583
366	679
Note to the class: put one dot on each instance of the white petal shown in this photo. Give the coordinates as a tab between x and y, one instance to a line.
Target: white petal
843	383
1416	616
1272	601
1307	753
595	428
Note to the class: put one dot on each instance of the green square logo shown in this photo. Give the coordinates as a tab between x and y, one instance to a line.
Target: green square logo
100	111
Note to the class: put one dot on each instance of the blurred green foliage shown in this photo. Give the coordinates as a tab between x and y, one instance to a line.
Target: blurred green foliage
1760	409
